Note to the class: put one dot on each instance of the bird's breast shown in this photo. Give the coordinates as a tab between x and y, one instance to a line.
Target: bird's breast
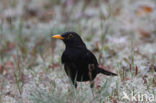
72	55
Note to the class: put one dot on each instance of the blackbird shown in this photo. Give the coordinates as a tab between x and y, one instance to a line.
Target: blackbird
80	64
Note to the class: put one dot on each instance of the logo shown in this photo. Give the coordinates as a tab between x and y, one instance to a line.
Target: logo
138	97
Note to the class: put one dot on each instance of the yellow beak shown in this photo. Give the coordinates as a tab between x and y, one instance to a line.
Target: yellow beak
58	37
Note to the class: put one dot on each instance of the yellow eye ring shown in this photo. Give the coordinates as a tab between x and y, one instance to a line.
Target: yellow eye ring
70	36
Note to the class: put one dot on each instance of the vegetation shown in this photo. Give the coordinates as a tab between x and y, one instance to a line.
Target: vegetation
120	33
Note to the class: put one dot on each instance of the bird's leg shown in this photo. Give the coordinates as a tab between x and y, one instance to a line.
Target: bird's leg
74	78
91	68
92	86
74	83
71	76
75	86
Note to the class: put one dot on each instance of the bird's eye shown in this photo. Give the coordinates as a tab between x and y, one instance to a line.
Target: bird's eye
70	36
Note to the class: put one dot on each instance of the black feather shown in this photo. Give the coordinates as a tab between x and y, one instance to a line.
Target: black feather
80	64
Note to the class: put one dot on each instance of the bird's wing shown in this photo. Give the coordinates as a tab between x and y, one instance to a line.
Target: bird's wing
82	56
91	57
82	62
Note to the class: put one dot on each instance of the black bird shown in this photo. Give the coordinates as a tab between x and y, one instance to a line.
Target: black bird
80	64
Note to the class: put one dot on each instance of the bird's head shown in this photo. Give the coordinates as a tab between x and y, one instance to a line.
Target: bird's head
71	39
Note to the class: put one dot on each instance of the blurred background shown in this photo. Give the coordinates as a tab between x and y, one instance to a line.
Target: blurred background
121	33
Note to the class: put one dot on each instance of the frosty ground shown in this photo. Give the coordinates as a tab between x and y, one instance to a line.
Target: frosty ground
122	35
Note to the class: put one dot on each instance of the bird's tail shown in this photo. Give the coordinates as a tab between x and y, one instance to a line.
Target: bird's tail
100	70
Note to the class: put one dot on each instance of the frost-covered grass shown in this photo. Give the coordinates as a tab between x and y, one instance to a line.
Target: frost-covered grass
120	33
